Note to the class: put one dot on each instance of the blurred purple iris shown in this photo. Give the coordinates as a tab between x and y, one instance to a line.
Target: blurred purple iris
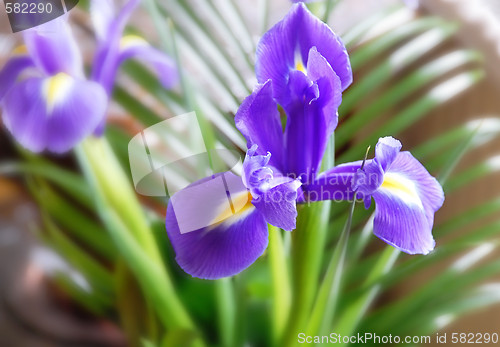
303	67
47	102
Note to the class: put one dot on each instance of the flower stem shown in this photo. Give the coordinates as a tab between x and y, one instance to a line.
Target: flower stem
129	230
282	295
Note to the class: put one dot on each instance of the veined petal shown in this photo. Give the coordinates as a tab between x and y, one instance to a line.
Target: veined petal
53	48
402	225
135	47
428	189
53	113
236	237
11	71
258	120
285	47
406	203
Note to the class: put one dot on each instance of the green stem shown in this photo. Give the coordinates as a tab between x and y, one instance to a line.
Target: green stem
326	303
282	295
226	311
129	230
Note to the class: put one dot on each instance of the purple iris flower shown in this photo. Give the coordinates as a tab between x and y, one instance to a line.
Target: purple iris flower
47	102
238	234
303	67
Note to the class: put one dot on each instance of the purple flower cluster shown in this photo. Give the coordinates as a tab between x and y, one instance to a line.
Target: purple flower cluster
302	67
47	102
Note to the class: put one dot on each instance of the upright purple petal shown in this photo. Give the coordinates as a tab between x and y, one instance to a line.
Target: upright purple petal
53	113
258	120
11	71
227	246
102	14
386	151
108	51
53	48
311	115
285	47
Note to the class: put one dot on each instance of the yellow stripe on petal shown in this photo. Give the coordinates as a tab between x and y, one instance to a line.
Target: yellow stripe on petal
240	206
402	187
55	89
128	41
299	66
20	50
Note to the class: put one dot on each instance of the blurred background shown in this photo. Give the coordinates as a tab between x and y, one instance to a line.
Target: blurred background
35	312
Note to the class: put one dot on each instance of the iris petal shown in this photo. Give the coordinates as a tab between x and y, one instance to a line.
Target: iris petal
406	203
402	225
53	48
134	47
386	151
108	52
102	14
10	72
293	37
53	113
258	120
221	249
427	187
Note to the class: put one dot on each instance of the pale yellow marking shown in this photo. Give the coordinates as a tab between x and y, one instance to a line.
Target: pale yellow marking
55	89
20	50
299	66
241	204
128	41
402	187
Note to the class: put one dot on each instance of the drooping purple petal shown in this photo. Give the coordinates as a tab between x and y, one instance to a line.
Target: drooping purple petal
221	249
258	120
406	203
285	47
429	190
53	48
134	47
11	71
53	113
402	225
